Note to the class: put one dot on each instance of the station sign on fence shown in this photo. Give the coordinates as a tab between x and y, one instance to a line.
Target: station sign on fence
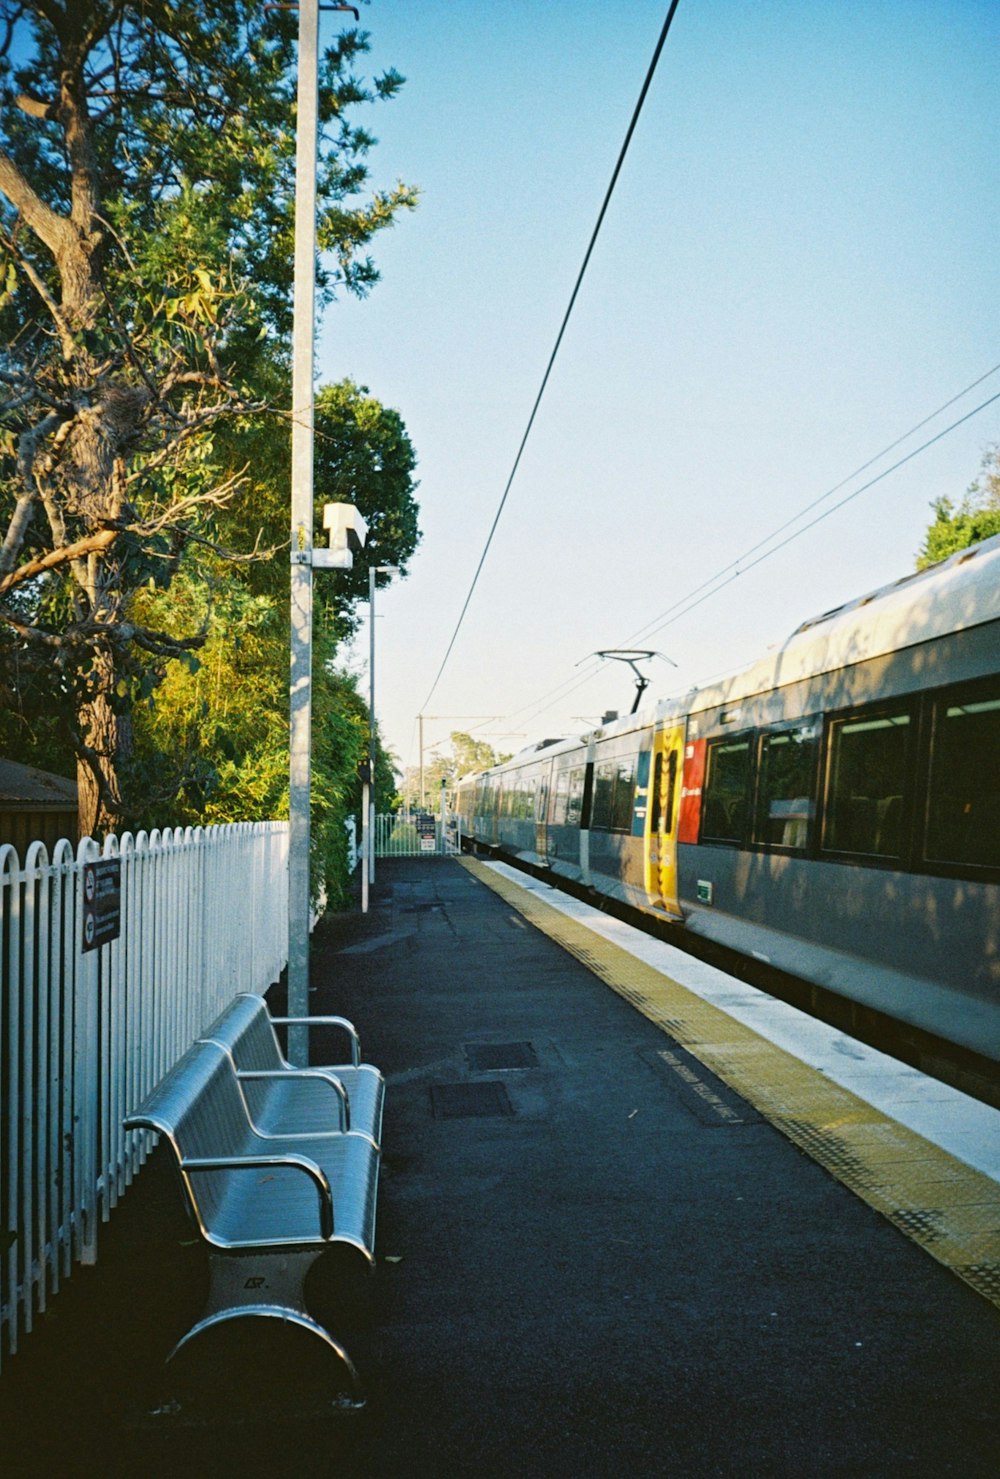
102	903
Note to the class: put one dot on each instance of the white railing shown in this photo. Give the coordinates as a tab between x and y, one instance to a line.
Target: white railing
85	1034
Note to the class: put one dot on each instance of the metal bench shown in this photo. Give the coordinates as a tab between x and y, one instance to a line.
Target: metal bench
335	1096
267	1205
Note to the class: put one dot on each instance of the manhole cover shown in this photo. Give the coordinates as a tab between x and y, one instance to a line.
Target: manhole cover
469	1101
486	1056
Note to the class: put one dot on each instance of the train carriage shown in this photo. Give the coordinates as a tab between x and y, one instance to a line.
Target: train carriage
833	809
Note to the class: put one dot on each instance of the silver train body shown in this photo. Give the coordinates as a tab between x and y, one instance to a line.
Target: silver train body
833	810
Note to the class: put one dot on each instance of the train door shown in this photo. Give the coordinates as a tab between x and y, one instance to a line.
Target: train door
542	817
661	839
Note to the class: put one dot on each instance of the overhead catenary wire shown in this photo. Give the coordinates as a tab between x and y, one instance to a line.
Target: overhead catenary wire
742	569
730	572
657	50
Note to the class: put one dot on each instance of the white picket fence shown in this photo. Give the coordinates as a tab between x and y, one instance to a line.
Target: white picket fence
84	1035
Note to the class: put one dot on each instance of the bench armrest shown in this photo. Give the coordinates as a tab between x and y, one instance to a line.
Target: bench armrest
271	1163
320	1074
341	1022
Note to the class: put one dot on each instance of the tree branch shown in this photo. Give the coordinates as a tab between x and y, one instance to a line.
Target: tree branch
35	278
95	763
92	543
30	633
35	107
21	517
50	228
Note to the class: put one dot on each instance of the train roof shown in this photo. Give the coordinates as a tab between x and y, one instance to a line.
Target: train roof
951	596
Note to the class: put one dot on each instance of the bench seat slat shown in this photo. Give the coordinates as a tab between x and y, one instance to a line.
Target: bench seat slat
308	1104
279	1206
246	1029
199	1110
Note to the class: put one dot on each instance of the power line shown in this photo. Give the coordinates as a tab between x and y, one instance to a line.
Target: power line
649	627
742	569
559	337
719	580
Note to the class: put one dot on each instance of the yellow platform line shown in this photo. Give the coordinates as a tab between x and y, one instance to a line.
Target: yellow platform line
947	1207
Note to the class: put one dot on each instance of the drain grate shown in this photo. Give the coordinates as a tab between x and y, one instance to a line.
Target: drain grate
485	1057
470	1101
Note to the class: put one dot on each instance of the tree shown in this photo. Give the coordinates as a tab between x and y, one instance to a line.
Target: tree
467	754
364	456
473	754
146	183
976	517
212	745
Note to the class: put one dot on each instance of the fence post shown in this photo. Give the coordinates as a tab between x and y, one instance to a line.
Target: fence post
85	1072
10	880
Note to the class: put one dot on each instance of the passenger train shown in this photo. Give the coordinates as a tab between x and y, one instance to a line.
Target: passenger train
832	810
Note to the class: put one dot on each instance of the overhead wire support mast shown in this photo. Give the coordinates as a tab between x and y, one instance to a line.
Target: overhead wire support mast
562	330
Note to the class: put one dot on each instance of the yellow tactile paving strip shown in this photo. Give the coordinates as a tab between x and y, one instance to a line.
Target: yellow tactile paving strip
950	1209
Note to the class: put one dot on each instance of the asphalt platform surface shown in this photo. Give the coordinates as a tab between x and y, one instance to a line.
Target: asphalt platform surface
580	1272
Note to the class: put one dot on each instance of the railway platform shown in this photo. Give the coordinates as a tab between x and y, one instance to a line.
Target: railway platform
633	1219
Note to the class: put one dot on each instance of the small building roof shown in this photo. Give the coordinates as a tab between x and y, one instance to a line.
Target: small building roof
23	786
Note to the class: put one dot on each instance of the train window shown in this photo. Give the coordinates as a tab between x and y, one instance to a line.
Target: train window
867	769
963	808
604	794
559	804
614	792
621	808
574	803
726	789
587	802
657	807
786	787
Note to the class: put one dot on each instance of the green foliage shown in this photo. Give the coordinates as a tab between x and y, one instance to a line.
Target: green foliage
363	456
211	745
471	754
211	737
191	128
147	156
976	517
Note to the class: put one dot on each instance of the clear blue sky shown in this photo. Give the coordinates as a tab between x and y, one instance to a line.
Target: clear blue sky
799	264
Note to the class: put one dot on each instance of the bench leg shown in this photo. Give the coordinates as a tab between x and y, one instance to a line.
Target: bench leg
266	1286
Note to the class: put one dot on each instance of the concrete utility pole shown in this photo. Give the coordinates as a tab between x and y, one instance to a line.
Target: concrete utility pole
300	692
343	521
